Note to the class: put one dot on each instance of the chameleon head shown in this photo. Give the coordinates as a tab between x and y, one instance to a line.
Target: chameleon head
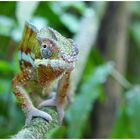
55	46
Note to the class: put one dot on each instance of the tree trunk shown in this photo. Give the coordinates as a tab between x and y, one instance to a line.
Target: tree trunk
111	41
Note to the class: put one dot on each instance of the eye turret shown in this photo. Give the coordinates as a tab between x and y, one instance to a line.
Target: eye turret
45	51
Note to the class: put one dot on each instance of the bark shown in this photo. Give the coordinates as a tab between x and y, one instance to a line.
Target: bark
112	40
39	128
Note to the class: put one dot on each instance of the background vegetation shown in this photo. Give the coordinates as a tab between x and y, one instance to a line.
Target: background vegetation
107	98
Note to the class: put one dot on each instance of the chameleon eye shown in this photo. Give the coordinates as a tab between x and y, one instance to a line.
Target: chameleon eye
46	52
44	46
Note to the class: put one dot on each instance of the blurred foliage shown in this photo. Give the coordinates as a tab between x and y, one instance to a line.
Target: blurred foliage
83	103
128	122
134	49
65	17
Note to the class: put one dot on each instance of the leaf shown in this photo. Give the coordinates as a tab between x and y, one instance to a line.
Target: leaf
78	113
133	107
128	121
39	22
6	25
121	128
4	46
134	8
25	11
7	8
4	86
56	133
71	22
6	67
68	19
135	32
8	116
79	6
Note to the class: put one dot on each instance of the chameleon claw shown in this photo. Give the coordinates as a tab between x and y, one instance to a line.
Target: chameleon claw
34	112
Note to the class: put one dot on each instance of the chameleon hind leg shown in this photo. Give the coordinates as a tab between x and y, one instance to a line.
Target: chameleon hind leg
58	99
23	99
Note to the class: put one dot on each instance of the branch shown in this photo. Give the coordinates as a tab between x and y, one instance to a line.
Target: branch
39	128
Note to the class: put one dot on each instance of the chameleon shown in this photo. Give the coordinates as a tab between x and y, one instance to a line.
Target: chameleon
46	60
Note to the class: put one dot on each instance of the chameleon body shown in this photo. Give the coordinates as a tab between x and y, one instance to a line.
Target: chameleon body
46	60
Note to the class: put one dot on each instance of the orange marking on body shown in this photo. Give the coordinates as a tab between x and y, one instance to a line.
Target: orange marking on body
66	85
25	74
21	47
47	74
26	64
28	50
31	32
18	94
17	77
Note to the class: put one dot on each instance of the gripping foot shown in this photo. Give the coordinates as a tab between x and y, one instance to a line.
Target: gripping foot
34	112
53	102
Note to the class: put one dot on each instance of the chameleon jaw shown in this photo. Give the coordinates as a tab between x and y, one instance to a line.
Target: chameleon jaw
44	62
54	64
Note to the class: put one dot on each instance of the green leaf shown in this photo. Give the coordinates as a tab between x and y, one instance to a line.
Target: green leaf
52	15
78	113
9	114
133	107
134	8
71	22
4	86
7	8
56	133
135	32
4	46
128	121
121	128
25	11
68	19
6	67
6	25
79	6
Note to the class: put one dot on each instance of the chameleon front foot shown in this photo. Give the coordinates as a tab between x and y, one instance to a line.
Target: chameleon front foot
34	112
53	102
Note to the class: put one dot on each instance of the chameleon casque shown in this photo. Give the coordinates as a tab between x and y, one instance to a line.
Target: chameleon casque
46	61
